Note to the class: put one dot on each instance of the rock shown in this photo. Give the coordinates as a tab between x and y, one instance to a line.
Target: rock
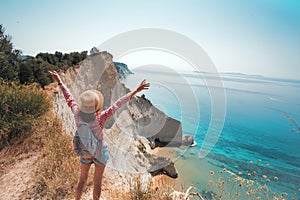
163	166
122	69
160	129
188	140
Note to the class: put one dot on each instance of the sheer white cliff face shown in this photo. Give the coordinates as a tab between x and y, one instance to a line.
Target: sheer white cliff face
128	126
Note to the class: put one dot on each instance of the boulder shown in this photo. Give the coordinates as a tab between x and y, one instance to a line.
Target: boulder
163	166
188	140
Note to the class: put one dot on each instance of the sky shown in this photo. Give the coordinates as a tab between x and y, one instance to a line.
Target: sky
259	37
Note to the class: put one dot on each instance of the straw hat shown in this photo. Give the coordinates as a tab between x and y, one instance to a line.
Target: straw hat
91	101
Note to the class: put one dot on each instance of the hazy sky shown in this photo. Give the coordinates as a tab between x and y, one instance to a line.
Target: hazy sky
248	36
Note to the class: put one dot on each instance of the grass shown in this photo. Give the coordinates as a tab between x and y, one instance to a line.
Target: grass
20	108
58	166
139	190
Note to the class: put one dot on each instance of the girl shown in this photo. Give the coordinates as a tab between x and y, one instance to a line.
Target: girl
89	111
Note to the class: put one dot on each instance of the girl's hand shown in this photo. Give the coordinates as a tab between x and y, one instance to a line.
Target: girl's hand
55	76
143	86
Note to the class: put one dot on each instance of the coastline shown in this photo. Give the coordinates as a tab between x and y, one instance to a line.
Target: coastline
188	174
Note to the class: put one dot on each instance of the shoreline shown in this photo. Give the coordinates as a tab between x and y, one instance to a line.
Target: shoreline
205	174
191	171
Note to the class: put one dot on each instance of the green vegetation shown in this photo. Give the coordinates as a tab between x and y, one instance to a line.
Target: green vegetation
9	58
28	69
20	107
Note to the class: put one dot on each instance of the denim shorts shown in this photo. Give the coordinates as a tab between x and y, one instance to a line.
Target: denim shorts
99	161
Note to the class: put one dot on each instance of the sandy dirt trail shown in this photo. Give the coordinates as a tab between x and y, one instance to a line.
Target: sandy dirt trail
17	179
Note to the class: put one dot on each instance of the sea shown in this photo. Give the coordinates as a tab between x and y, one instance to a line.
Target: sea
259	140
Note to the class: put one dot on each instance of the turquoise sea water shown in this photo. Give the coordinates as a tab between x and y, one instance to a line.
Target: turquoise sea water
255	126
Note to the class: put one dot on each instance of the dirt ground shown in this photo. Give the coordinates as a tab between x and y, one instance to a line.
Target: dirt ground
16	179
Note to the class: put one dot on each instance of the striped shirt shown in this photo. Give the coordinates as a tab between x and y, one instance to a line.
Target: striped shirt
97	125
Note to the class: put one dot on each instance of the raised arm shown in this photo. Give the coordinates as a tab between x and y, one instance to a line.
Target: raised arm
66	92
123	100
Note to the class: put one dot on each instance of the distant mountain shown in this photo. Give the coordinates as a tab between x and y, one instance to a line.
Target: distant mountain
122	69
25	57
242	74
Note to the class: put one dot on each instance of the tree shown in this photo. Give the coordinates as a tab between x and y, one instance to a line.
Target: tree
32	69
62	60
9	57
26	73
36	70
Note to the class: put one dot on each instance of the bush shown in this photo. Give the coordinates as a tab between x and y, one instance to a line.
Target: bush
20	106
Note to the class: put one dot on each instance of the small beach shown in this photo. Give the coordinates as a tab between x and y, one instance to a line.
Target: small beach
188	174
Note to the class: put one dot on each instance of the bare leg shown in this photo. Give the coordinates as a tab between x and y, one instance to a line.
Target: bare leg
84	172
99	169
